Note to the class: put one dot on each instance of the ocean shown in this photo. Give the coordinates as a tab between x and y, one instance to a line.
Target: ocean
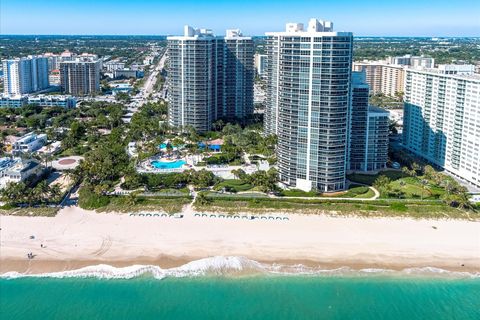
333	294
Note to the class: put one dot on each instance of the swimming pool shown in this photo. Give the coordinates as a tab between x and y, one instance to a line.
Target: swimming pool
168	164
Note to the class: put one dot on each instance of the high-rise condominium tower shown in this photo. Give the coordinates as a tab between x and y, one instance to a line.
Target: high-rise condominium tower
25	75
80	76
308	103
368	134
442	119
209	78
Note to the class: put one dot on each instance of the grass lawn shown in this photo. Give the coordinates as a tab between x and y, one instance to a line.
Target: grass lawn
241	195
233	184
40	211
410	186
355	191
168	205
172	192
382	208
413	189
299	193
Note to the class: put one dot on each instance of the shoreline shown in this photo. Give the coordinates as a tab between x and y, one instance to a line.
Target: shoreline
77	238
291	267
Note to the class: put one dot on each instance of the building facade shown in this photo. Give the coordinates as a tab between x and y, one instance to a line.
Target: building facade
412	61
442	120
16	170
25	75
29	143
127	73
261	64
111	66
308	103
209	78
382	77
358	122
235	76
39	100
393	80
368	148
376	151
80	76
373	72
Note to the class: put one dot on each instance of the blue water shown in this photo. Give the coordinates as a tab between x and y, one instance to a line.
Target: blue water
168	165
244	297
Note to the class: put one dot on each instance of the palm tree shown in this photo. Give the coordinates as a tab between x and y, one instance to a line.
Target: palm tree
416	167
55	192
202	199
424	183
406	171
132	198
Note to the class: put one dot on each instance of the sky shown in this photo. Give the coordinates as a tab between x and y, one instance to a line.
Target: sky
253	17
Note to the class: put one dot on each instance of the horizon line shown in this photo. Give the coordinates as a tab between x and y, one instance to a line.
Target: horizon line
166	35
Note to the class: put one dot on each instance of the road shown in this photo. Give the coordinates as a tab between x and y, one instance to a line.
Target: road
152	78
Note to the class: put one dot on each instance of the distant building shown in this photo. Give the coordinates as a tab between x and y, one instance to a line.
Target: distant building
209	78
393	80
17	170
40	100
54	77
5	163
25	75
412	61
148	60
127	73
382	77
261	64
80	76
459	69
373	72
51	148
442	120
111	66
29	143
121	87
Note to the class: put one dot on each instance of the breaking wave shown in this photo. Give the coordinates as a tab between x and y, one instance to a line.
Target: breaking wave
232	266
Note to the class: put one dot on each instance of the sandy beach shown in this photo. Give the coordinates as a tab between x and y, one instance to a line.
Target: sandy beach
76	238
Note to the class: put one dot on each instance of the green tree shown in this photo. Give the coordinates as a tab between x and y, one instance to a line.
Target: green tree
382	183
202	199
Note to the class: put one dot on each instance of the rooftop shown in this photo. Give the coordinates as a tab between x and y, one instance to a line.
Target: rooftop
314	27
441	72
373	109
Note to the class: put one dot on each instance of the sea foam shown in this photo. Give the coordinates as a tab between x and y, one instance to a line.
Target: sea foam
232	266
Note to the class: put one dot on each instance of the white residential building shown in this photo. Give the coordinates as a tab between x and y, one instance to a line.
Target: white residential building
209	78
442	120
413	61
18	170
18	101
29	143
25	75
382	77
111	66
308	103
460	69
261	64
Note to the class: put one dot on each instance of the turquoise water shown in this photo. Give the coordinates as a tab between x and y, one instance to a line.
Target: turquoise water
253	297
168	165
